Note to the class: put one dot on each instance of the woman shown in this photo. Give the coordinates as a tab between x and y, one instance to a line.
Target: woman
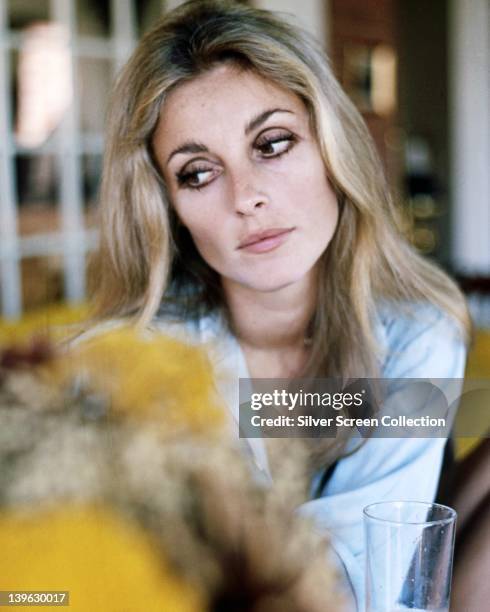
243	202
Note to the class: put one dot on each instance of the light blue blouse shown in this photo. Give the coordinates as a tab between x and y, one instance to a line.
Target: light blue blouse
426	345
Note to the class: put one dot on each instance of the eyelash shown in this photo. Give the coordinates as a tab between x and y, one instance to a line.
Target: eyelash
184	178
274	140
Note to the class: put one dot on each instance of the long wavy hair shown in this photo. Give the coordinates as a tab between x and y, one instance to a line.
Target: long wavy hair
146	260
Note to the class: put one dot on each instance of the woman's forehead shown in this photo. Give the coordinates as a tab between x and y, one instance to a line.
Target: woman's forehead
225	95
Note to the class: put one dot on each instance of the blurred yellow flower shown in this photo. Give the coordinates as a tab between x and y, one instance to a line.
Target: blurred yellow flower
105	563
53	321
149	375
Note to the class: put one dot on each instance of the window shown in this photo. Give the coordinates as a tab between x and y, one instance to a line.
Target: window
56	65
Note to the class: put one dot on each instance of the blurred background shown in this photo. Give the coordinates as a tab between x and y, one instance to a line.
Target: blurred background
418	71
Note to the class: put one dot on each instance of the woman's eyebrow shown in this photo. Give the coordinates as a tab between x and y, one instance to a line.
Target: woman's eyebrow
197	147
262	118
188	147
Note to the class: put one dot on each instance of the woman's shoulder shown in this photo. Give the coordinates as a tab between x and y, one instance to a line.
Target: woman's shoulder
419	339
404	318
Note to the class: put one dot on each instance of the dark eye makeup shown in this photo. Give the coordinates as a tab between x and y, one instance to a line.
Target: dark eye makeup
275	144
270	144
189	177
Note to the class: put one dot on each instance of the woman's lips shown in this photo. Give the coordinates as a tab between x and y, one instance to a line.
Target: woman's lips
266	242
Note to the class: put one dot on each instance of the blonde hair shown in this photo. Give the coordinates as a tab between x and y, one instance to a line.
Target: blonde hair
142	253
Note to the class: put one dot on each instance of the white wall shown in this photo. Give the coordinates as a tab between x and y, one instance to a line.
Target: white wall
311	14
470	134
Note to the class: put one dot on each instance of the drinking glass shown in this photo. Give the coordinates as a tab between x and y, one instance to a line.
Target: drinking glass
409	556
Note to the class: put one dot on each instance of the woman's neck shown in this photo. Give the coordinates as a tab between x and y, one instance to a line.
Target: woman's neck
271	326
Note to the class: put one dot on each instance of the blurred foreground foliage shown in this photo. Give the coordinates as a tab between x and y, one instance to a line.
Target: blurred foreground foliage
121	483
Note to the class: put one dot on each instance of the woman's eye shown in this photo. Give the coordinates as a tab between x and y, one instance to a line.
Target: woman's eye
195	178
274	146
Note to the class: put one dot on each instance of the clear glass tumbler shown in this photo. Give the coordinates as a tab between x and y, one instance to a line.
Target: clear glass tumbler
409	556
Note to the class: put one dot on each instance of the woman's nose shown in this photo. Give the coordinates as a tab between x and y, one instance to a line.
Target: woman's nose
248	198
250	205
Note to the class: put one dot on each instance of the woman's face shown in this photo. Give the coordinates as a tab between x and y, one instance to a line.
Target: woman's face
245	176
